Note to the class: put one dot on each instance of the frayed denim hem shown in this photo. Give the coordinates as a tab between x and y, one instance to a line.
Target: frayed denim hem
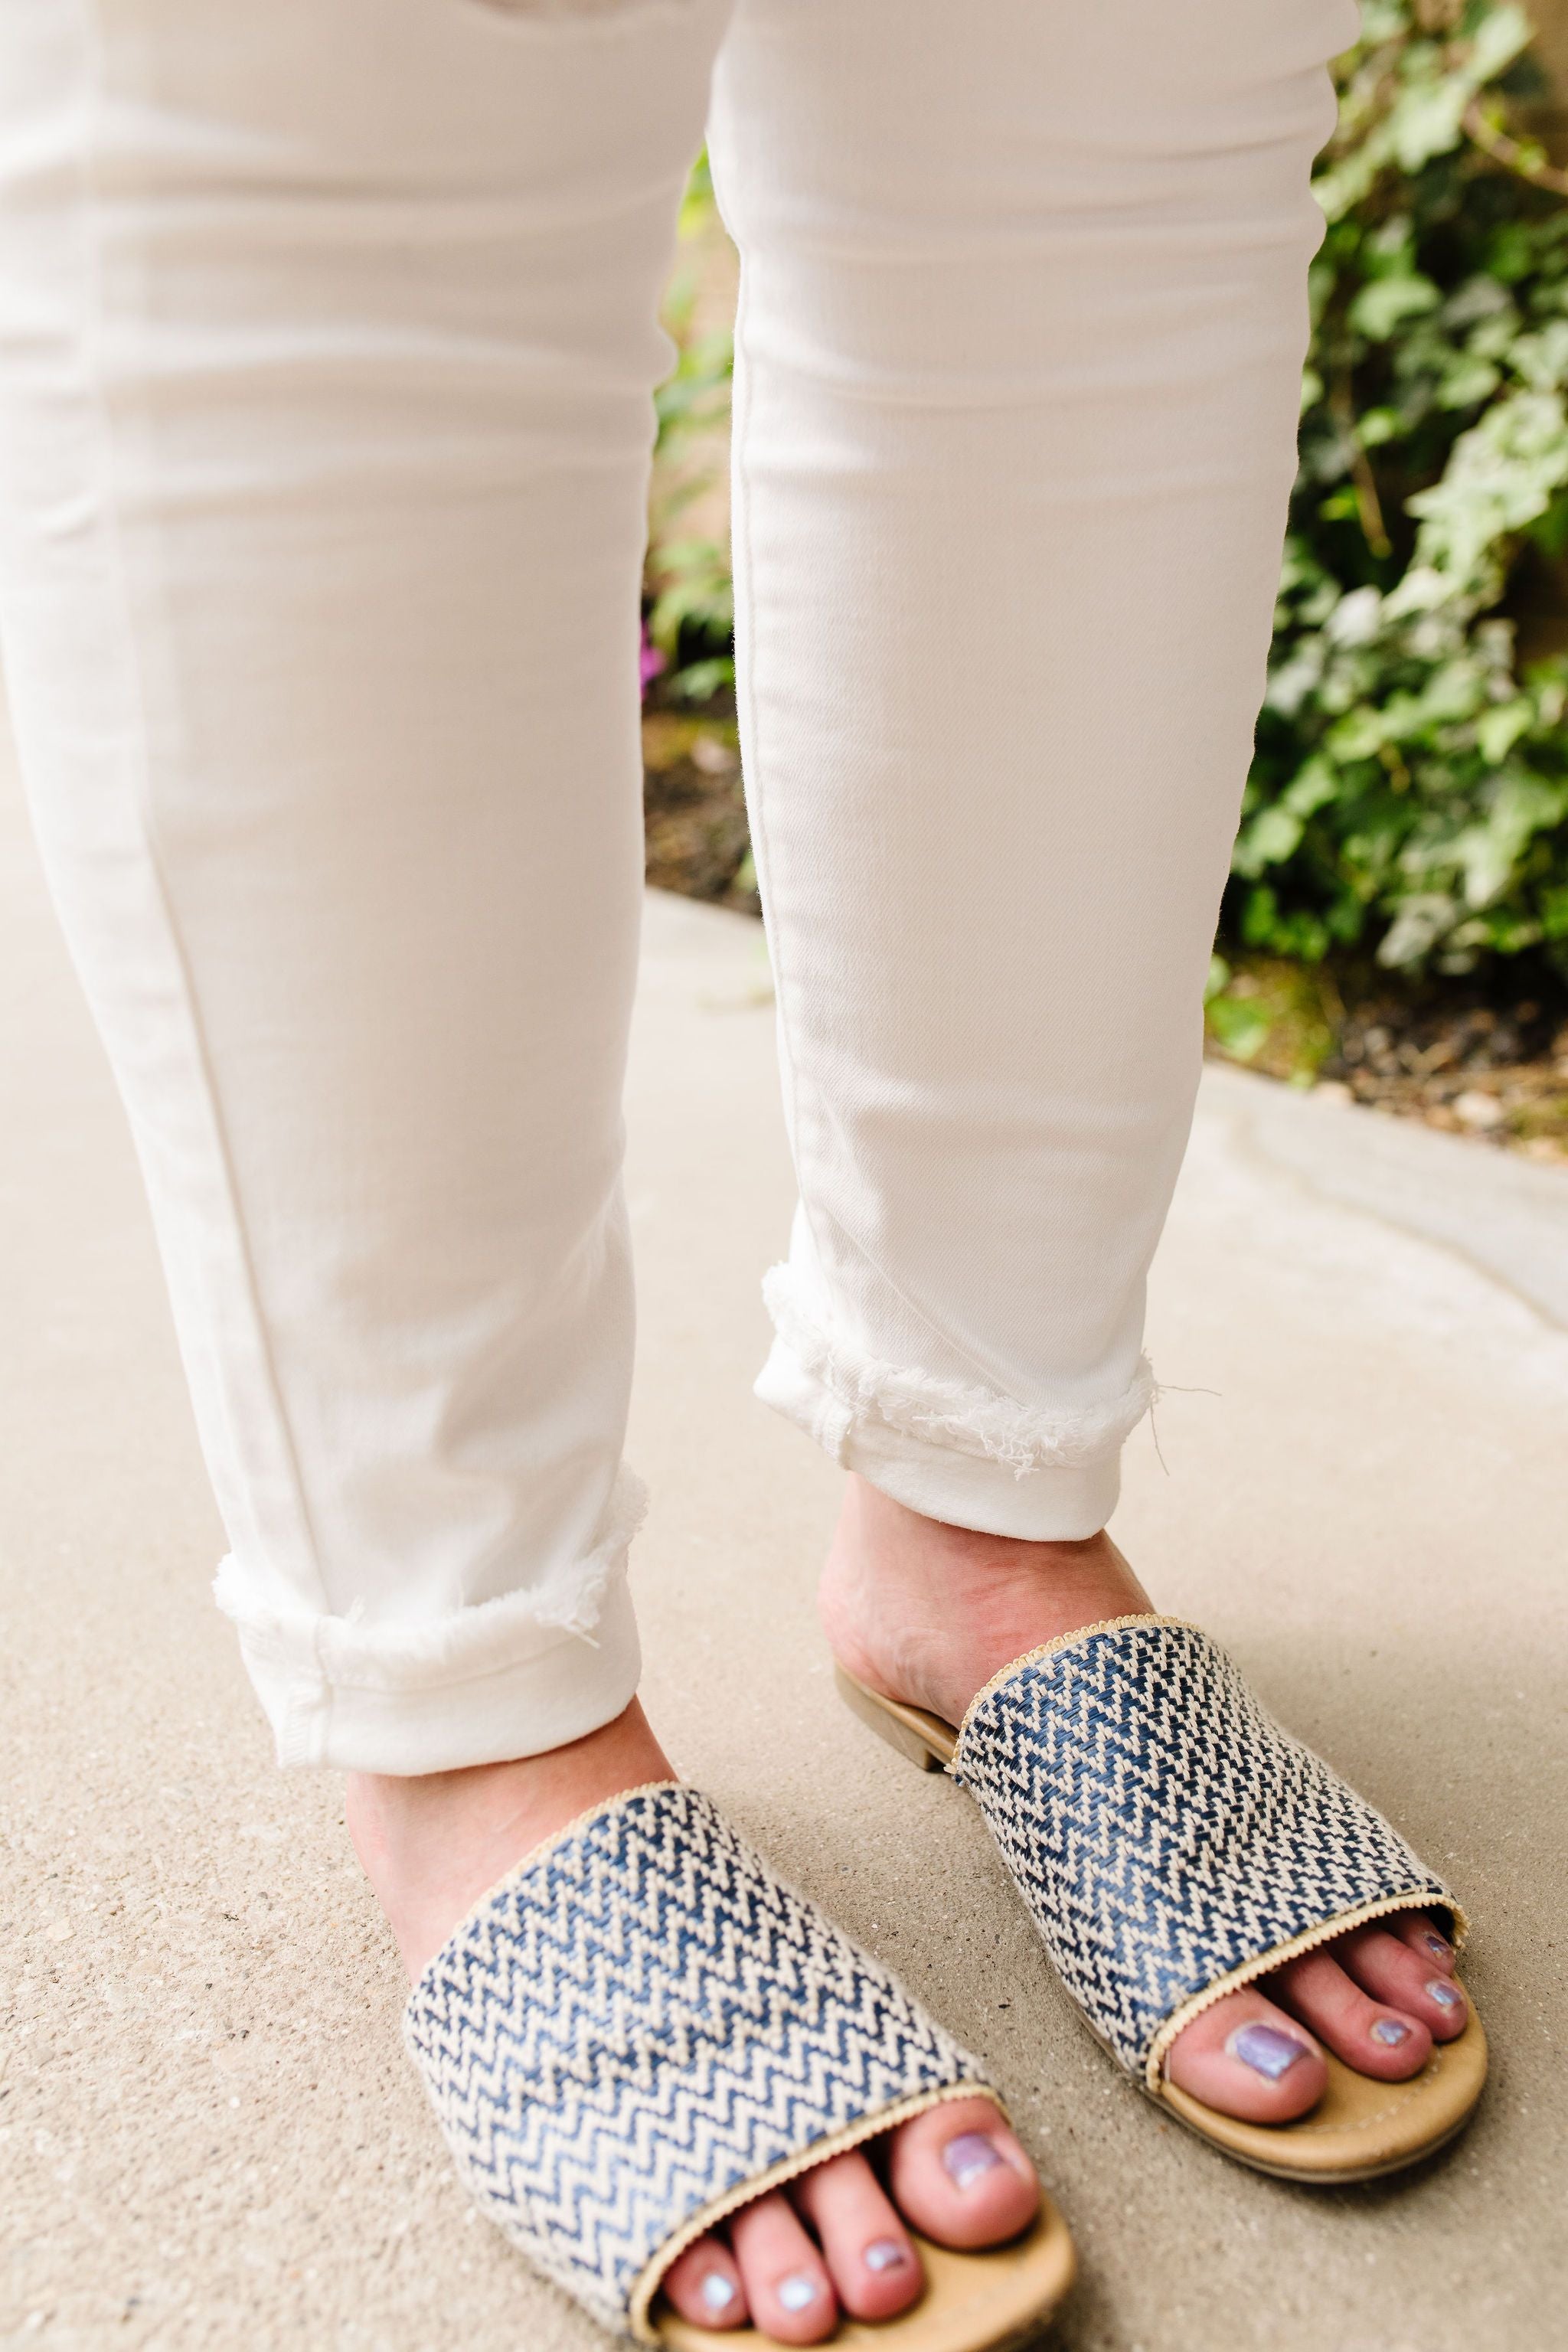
1022	1438
510	1676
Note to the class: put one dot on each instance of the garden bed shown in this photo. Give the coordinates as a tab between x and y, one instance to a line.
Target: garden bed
1447	1054
695	812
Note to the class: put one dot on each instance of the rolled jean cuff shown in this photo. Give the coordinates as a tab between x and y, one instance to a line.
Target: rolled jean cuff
960	1455
512	1676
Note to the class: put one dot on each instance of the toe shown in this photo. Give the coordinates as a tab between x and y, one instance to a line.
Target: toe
1425	1937
1368	2034
1245	2057
788	2288
959	2175
704	2285
1403	1977
875	2270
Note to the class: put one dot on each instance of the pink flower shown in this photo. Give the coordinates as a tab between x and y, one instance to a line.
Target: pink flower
650	661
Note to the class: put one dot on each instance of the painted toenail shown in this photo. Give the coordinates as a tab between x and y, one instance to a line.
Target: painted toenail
1444	1995
1438	1946
795	2293
717	2290
1265	2049
968	2156
886	2254
1389	2029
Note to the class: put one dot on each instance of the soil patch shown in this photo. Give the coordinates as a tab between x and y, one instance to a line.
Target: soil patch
695	812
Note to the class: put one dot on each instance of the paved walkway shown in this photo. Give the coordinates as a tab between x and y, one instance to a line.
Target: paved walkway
208	2135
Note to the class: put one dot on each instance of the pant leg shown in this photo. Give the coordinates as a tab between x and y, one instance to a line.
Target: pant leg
1023	312
328	330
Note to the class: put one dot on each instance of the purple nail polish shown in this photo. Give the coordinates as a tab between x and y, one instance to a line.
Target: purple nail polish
1438	1945
1389	2029
1444	1994
886	2254
1265	2049
968	2156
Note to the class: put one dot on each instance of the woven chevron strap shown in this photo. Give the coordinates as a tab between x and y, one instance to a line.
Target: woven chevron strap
1170	1839
640	2029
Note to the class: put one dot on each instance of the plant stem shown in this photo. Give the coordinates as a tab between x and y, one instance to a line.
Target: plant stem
1525	161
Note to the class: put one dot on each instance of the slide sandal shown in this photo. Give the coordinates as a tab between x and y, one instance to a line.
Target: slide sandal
1172	1843
640	2029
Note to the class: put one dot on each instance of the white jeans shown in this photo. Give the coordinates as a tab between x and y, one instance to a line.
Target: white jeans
327	338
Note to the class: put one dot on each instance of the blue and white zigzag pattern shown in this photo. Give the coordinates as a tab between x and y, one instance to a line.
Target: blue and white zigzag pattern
641	2019
1161	1826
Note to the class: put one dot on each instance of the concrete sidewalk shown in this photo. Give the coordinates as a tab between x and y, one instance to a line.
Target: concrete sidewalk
209	2135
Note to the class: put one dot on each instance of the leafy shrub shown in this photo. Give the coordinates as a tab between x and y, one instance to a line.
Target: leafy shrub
1410	789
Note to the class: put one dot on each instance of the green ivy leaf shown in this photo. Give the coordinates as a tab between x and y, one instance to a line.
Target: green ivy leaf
1241	1027
1384	303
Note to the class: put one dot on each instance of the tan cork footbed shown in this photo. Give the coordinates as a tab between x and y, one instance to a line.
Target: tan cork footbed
1359	2130
973	2303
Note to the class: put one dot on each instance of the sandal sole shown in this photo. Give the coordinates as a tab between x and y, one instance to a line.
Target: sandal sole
997	2300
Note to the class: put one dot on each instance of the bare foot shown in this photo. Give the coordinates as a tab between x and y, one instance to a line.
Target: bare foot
836	2241
928	1613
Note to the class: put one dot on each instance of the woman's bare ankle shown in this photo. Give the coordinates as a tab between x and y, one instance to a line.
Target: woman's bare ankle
432	1844
928	1613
